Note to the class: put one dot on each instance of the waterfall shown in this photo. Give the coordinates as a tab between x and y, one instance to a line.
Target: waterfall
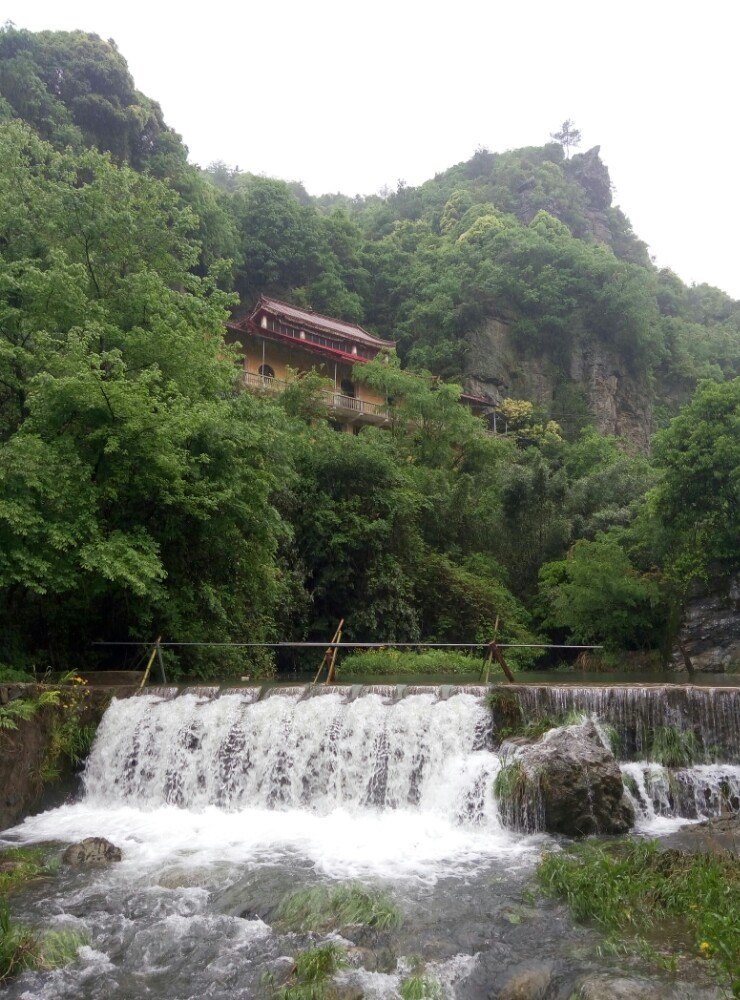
712	713
380	749
289	751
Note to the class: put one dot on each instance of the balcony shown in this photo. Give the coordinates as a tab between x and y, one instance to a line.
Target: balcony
347	409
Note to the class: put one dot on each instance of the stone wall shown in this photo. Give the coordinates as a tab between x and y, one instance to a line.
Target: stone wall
22	750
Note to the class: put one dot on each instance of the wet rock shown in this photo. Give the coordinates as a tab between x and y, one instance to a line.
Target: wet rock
578	782
612	988
529	984
91	851
362	958
713	836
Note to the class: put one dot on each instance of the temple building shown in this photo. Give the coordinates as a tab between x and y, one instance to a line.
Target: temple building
276	337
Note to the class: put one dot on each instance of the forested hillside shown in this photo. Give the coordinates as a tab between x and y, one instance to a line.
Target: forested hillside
142	493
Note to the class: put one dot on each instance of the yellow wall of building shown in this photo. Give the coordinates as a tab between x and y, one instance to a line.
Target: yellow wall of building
281	357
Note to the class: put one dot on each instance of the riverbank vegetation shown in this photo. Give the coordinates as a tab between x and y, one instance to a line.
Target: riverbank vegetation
143	493
19	865
394	663
23	949
668	903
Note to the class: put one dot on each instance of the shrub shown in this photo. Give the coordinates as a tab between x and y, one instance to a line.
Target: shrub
392	661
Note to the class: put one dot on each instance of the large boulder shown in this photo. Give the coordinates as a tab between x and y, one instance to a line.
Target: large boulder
576	781
91	851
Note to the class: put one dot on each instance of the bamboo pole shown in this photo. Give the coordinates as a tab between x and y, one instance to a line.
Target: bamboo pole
688	663
486	671
161	662
329	651
498	656
148	670
335	650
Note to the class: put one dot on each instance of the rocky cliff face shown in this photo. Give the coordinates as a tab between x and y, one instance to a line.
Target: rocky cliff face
710	632
620	403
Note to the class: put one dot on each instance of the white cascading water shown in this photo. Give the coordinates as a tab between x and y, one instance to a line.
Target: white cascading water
699	792
387	780
292	752
354	749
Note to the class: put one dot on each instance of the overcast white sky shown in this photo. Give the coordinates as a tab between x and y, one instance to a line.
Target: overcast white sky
350	97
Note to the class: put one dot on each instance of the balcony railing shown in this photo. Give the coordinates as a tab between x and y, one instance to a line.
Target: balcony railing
334	400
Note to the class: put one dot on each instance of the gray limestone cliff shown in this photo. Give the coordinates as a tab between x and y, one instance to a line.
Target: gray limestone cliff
710	631
618	401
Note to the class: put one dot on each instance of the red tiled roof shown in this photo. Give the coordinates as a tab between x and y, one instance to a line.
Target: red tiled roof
326	324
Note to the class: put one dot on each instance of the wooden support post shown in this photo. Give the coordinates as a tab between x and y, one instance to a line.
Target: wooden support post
161	661
686	658
333	660
486	671
498	656
327	655
155	649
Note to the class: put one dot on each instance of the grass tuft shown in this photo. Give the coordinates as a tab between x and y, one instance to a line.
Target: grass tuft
19	947
519	798
312	974
420	988
19	865
321	908
59	948
673	747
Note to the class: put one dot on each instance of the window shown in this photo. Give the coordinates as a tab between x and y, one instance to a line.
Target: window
267	371
348	388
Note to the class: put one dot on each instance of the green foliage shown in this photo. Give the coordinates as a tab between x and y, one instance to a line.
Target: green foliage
322	908
59	948
419	987
392	662
597	596
673	747
141	493
23	709
698	497
9	675
519	796
133	479
22	948
19	947
19	865
312	974
507	712
637	888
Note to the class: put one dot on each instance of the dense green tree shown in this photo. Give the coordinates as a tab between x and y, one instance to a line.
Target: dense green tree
596	596
698	497
134	487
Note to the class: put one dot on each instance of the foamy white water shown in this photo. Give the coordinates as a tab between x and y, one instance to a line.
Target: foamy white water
363	786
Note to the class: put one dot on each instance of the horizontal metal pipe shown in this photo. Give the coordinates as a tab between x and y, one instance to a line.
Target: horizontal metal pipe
360	645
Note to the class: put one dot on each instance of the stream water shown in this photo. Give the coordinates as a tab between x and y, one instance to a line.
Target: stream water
224	801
